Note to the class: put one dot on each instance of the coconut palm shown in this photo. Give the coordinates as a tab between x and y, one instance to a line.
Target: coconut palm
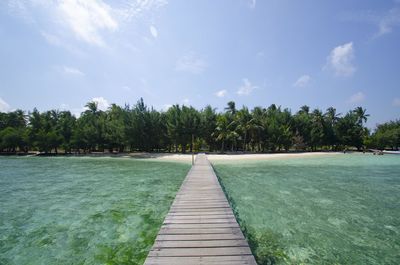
222	131
361	114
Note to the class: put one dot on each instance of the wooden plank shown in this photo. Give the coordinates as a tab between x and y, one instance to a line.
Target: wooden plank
199	252
200	227
200	243
220	260
200	211
202	203
230	219
190	231
199	237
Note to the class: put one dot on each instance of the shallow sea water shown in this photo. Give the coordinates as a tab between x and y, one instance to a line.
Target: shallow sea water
335	209
58	210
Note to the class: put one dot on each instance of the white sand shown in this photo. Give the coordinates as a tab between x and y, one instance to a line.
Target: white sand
234	157
241	157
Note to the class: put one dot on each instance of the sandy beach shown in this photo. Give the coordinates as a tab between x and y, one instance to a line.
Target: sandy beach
241	157
231	157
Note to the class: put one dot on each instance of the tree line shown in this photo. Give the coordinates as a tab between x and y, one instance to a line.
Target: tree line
184	128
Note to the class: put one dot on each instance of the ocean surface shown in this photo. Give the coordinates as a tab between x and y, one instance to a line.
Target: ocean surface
56	210
335	209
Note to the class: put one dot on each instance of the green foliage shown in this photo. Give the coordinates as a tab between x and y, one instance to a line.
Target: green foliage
387	135
183	128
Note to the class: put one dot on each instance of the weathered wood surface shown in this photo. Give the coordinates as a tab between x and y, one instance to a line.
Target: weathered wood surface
200	227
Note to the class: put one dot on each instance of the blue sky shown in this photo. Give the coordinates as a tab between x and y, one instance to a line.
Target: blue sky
60	54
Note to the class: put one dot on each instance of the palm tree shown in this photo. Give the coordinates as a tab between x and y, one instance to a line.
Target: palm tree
231	108
304	109
222	132
92	107
361	114
247	124
331	115
318	128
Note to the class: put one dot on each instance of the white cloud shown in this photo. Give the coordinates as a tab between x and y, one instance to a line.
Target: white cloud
72	71
136	8
4	106
102	103
356	98
390	20
191	63
396	102
21	9
303	81
74	111
87	18
153	31
165	107
340	60
385	21
222	93
246	88
186	101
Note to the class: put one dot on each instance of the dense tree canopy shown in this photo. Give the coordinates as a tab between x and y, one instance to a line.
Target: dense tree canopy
140	128
387	135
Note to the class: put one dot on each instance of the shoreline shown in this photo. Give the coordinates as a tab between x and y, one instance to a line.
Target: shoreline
261	157
213	157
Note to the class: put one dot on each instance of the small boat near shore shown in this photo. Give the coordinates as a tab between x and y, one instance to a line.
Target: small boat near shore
382	152
391	152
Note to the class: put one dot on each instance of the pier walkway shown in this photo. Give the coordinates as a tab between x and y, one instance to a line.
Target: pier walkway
200	227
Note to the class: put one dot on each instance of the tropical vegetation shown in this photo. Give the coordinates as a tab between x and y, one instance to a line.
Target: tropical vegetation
184	128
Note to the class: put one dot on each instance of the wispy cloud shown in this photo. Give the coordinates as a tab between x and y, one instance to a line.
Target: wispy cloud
396	102
186	101
153	31
340	60
302	81
222	93
136	8
190	63
20	9
356	98
247	88
4	106
87	19
72	71
389	21
384	21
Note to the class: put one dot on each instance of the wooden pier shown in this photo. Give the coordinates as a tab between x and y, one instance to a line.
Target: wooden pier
200	227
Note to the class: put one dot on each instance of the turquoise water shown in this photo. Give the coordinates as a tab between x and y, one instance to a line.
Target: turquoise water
336	209
83	210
